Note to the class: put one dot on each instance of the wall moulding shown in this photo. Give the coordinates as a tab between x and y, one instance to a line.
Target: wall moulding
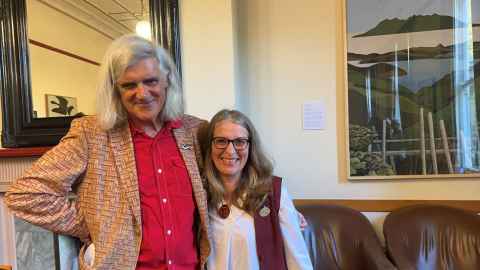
390	205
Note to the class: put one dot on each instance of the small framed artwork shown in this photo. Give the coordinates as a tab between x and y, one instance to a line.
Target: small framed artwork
58	106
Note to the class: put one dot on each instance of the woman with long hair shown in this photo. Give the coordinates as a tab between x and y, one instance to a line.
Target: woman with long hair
254	224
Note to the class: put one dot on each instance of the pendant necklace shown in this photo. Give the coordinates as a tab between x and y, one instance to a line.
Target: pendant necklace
223	211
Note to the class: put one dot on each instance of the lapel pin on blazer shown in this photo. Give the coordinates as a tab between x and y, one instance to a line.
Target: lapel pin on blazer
185	146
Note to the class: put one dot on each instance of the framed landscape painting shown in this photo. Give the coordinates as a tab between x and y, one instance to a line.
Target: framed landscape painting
413	87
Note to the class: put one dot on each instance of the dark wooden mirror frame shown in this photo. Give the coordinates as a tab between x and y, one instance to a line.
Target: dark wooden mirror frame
20	128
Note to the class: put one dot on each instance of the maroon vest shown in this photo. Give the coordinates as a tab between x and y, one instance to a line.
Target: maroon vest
269	239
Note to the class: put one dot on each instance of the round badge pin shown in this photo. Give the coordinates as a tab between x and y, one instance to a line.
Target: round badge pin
265	211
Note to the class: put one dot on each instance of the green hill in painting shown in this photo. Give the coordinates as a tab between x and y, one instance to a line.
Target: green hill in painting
415	23
382	96
439	98
414	53
381	70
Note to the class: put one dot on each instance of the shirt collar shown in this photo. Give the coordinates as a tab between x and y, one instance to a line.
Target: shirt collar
169	125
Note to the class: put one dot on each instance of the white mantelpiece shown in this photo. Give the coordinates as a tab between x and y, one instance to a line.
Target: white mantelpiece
7	236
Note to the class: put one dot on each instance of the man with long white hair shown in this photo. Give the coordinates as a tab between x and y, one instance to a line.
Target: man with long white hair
134	165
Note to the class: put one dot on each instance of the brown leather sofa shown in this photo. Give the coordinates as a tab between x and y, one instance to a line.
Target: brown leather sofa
340	238
433	237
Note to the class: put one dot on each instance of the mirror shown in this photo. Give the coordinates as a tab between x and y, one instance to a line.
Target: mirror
65	59
23	124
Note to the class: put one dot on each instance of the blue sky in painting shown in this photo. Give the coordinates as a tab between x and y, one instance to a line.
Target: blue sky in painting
362	15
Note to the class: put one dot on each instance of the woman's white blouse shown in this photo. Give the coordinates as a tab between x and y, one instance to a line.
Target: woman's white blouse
233	239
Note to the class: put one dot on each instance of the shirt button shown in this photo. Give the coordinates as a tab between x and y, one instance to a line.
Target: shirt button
169	232
164	200
159	171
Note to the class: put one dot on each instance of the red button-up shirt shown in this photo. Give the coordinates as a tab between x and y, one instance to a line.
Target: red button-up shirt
167	203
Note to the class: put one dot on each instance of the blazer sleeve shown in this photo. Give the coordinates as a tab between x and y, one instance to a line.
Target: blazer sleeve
40	196
295	248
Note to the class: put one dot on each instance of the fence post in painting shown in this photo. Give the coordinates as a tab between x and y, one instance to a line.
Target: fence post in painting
384	141
446	149
433	151
422	143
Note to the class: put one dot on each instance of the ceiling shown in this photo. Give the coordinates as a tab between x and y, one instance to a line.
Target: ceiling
112	18
124	12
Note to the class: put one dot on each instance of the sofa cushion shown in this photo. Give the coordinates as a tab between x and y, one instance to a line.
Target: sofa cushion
433	237
341	238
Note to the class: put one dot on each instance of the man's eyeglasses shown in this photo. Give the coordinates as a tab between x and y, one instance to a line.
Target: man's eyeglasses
238	143
149	82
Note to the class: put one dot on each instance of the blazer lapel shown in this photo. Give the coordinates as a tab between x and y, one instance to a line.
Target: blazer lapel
122	145
186	145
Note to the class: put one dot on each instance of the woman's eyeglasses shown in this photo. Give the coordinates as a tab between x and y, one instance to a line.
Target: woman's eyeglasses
238	143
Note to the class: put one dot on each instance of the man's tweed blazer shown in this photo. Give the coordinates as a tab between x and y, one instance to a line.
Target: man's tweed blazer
101	167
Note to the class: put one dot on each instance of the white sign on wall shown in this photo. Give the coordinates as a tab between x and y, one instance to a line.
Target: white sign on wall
314	115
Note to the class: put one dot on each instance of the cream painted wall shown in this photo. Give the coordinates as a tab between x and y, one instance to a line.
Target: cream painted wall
47	23
207	56
288	53
55	73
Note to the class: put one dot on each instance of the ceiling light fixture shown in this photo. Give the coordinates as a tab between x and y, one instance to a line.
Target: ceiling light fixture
143	29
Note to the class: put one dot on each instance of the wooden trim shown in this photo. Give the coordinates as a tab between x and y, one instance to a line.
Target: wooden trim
60	51
165	23
24	152
390	205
